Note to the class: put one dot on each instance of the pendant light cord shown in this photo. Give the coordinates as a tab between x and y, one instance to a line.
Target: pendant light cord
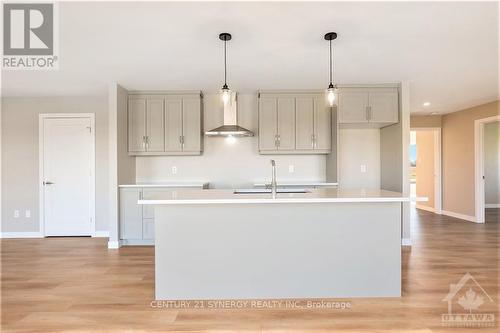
331	61
225	69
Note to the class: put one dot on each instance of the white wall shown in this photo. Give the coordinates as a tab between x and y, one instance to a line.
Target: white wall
359	147
225	165
20	156
491	163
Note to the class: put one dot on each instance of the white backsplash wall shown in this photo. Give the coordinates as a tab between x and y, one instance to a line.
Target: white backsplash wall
226	165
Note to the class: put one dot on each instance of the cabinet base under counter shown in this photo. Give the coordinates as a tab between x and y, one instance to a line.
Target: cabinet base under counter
277	250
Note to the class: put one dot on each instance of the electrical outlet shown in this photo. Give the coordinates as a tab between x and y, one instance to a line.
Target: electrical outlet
174	170
27	213
291	168
363	168
16	214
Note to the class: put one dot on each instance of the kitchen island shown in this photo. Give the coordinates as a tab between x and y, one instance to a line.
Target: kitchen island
325	243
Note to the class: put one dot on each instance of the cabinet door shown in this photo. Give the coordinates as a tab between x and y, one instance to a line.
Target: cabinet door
322	124
148	229
173	125
136	124
304	123
268	119
384	106
155	125
352	107
286	123
130	214
191	124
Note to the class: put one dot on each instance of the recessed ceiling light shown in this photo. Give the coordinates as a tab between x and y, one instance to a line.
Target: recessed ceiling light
426	104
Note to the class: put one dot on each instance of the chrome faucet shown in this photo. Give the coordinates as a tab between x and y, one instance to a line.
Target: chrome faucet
274	185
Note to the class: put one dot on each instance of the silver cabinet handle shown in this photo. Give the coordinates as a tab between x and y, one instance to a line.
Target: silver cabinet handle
143	142
313	140
181	140
278	138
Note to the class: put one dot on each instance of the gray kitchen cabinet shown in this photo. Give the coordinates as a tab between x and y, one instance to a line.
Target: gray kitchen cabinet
377	107
137	221
353	106
155	140
173	125
294	123
276	123
137	125
384	106
268	124
148	229
164	123
130	214
313	129
305	123
191	125
286	124
322	125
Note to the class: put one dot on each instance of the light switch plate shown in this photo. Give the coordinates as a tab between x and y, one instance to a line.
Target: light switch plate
291	168
16	214
363	168
174	170
27	213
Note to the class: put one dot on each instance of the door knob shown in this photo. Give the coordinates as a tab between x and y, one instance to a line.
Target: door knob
47	183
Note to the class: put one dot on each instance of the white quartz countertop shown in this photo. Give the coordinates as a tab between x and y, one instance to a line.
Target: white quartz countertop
169	184
179	197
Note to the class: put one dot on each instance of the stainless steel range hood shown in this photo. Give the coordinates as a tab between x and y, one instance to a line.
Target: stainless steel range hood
230	127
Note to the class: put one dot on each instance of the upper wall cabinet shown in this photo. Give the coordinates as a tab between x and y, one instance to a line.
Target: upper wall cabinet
164	124
294	123
377	107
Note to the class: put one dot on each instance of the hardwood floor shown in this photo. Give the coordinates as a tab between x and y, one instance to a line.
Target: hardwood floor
78	285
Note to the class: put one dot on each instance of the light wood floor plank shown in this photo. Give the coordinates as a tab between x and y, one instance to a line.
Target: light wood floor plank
78	285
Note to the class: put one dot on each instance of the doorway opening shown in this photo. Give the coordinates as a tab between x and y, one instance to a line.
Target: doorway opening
425	168
67	174
487	166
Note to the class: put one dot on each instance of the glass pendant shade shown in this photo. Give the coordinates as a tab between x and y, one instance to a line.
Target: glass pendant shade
225	94
331	95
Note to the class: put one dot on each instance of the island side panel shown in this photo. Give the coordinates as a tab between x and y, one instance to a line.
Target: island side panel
310	250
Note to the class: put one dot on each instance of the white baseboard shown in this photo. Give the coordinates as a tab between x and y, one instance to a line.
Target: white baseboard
492	206
426	208
459	216
406	241
26	234
101	233
113	244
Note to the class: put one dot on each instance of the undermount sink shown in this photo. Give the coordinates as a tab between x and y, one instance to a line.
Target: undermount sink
268	190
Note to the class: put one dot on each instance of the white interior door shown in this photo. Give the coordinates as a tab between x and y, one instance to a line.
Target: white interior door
68	176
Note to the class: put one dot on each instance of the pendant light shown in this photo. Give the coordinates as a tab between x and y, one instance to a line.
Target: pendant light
332	88
225	91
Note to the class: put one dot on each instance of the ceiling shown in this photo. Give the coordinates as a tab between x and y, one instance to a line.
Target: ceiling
447	50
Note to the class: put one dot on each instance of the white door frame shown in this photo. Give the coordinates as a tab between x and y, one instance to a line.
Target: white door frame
41	192
438	185
479	165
